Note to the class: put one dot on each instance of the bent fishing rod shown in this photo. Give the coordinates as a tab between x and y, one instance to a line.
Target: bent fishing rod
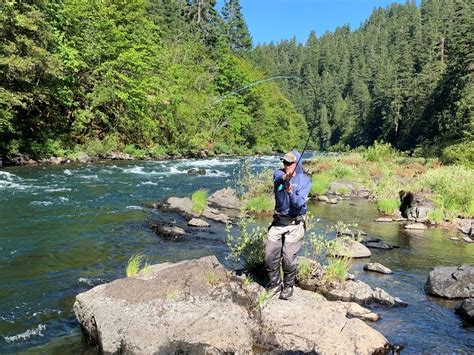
278	77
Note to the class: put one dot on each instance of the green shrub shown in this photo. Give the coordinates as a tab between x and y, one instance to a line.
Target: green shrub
462	153
306	268
380	152
47	148
199	199
261	203
134	151
249	245
436	216
342	171
337	269
388	205
453	189
343	190
101	147
320	183
254	184
222	148
157	151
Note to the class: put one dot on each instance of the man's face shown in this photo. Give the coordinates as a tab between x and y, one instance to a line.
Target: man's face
289	166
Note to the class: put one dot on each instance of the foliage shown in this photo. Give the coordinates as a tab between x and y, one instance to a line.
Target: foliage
461	153
247	280
337	269
249	245
258	204
436	216
253	185
263	298
306	268
133	151
388	205
320	183
379	152
199	199
134	263
212	279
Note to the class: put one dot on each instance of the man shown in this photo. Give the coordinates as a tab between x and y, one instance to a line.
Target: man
285	235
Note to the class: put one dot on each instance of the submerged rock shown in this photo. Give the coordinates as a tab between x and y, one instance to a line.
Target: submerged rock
376	267
466	310
322	198
197	171
205	311
167	230
451	282
417	226
378	245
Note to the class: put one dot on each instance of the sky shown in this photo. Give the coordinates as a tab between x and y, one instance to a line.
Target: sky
274	20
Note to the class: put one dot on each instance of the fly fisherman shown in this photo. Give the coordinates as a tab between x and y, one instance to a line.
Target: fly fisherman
285	235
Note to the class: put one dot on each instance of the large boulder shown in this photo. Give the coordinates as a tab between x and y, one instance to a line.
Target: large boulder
451	282
352	249
415	206
225	198
167	230
205	310
184	206
466	310
466	226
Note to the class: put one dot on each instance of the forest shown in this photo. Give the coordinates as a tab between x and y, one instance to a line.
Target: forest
146	77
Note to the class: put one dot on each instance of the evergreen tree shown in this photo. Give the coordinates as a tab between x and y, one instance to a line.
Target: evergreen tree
237	32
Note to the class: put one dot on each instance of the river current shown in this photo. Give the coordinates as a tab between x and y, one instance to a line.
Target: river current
65	229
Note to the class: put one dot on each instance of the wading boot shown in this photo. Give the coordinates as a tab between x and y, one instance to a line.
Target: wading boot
273	290
286	293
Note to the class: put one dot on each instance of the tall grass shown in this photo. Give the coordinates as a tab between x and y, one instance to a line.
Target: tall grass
199	199
337	269
320	183
261	203
133	266
388	205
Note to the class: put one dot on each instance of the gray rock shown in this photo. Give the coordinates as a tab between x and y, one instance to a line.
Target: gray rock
468	240
466	226
417	226
336	186
332	201
225	198
323	198
83	158
352	249
197	171
157	312
184	205
353	291
167	230
383	219
216	215
364	193
355	310
196	222
414	206
352	232
118	156
378	245
466	310
451	282
376	267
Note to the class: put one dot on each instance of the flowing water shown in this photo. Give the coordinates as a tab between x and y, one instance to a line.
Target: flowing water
65	229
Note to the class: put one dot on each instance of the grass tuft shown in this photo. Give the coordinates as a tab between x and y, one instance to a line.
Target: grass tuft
261	203
320	183
388	205
199	199
133	266
337	269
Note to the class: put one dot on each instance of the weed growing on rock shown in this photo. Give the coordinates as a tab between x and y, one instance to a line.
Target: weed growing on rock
199	199
133	266
213	279
247	280
259	204
263	298
337	269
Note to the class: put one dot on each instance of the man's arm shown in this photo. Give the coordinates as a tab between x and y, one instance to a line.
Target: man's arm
299	197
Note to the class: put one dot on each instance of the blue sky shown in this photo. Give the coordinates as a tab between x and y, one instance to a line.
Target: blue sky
273	20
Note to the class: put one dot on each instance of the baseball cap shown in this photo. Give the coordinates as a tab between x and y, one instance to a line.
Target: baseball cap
289	157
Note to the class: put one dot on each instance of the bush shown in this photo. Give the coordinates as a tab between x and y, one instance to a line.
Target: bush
157	151
320	183
251	184
388	205
462	153
249	246
199	199
343	190
343	171
102	147
436	216
380	152
261	203
134	151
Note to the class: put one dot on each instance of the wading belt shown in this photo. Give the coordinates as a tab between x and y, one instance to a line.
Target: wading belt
284	220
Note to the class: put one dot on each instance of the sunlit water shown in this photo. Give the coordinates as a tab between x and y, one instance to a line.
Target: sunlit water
65	229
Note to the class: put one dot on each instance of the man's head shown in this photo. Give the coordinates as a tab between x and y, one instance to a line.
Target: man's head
289	159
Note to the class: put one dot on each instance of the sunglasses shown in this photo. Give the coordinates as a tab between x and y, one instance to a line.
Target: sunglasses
286	163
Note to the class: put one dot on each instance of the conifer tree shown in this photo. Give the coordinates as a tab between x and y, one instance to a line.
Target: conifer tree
236	29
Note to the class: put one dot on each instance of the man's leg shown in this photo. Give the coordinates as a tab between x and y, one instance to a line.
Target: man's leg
291	246
273	248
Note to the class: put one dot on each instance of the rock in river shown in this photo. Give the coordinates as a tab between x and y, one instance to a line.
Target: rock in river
451	282
418	226
353	249
376	267
225	198
196	222
205	310
167	230
466	310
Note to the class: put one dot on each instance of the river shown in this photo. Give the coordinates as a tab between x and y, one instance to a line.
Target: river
64	229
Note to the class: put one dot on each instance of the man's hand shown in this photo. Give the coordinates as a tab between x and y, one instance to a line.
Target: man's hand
288	187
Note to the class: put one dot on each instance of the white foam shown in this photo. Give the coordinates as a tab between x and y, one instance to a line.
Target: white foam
209	162
58	189
134	207
38	331
149	183
217	173
67	172
63	199
40	203
89	177
9	176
